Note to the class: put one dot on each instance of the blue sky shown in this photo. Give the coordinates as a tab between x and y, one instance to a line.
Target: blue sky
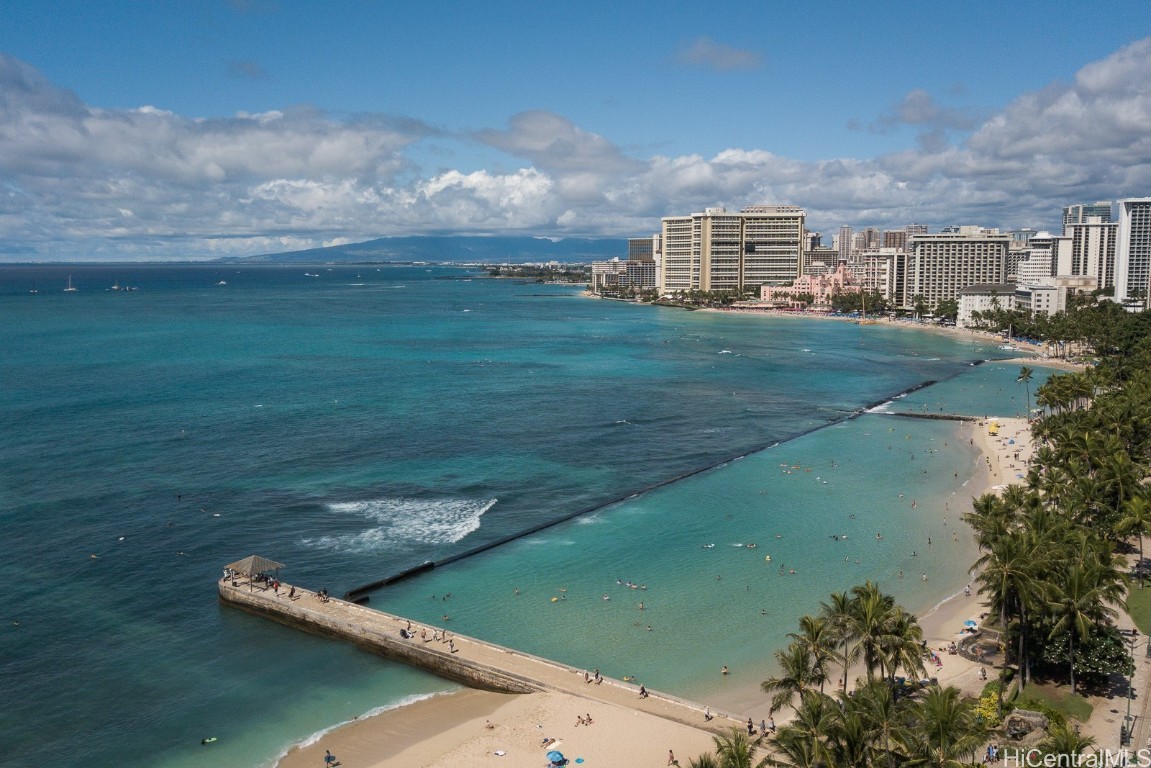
198	129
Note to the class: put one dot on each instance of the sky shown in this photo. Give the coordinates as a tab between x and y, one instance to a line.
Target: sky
204	128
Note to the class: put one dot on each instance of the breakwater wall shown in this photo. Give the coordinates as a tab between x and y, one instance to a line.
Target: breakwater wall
360	594
372	630
460	658
936	416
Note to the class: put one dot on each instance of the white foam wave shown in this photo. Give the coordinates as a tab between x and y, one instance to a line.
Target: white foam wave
315	737
404	521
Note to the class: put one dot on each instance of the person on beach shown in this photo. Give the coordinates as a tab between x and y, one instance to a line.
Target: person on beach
707	714
771	723
750	727
724	670
588	720
642	692
329	759
671	758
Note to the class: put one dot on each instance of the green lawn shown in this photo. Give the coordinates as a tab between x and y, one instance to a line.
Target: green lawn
1058	698
1139	607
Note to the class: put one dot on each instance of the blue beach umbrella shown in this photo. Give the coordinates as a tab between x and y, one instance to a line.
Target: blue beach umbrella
969	623
555	757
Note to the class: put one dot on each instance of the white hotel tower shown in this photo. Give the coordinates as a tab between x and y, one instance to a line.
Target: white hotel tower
723	250
1133	252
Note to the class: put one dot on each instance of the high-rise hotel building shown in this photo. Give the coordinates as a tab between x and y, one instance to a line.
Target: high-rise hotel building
938	266
1080	212
1087	249
1133	252
722	250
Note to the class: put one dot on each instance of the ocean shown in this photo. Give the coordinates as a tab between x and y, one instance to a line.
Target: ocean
354	421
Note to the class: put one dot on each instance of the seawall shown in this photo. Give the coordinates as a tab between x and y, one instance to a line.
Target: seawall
460	658
372	630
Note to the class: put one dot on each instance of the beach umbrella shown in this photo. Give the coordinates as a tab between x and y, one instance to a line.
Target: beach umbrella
969	623
555	756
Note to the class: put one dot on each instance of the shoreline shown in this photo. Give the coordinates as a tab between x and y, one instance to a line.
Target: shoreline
445	729
1042	355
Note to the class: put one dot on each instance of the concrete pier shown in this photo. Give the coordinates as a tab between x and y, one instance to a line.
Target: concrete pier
467	660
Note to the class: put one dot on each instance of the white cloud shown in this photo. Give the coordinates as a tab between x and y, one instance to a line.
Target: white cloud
80	181
706	53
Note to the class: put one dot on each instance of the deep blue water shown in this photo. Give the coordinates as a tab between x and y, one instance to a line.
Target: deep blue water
367	419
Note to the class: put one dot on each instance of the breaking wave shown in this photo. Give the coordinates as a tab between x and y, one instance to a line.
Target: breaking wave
400	522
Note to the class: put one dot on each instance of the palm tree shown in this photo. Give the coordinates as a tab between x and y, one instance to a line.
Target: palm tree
1063	740
871	614
876	703
705	760
849	740
941	730
798	673
817	635
1024	377
988	518
1081	600
903	646
1006	577
805	741
838	612
1137	519
735	750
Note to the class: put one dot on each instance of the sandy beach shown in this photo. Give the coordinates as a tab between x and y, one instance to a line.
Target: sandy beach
453	729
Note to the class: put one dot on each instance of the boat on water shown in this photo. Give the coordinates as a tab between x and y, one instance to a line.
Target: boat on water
116	286
34	289
71	288
222	282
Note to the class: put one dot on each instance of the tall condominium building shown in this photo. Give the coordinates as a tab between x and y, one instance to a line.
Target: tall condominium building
819	260
875	272
1037	262
1133	252
1078	214
843	241
1087	249
641	249
895	238
721	250
938	266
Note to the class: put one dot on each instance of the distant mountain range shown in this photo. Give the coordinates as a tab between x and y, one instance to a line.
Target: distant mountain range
457	249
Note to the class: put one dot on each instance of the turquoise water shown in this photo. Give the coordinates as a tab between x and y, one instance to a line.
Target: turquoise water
366	420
